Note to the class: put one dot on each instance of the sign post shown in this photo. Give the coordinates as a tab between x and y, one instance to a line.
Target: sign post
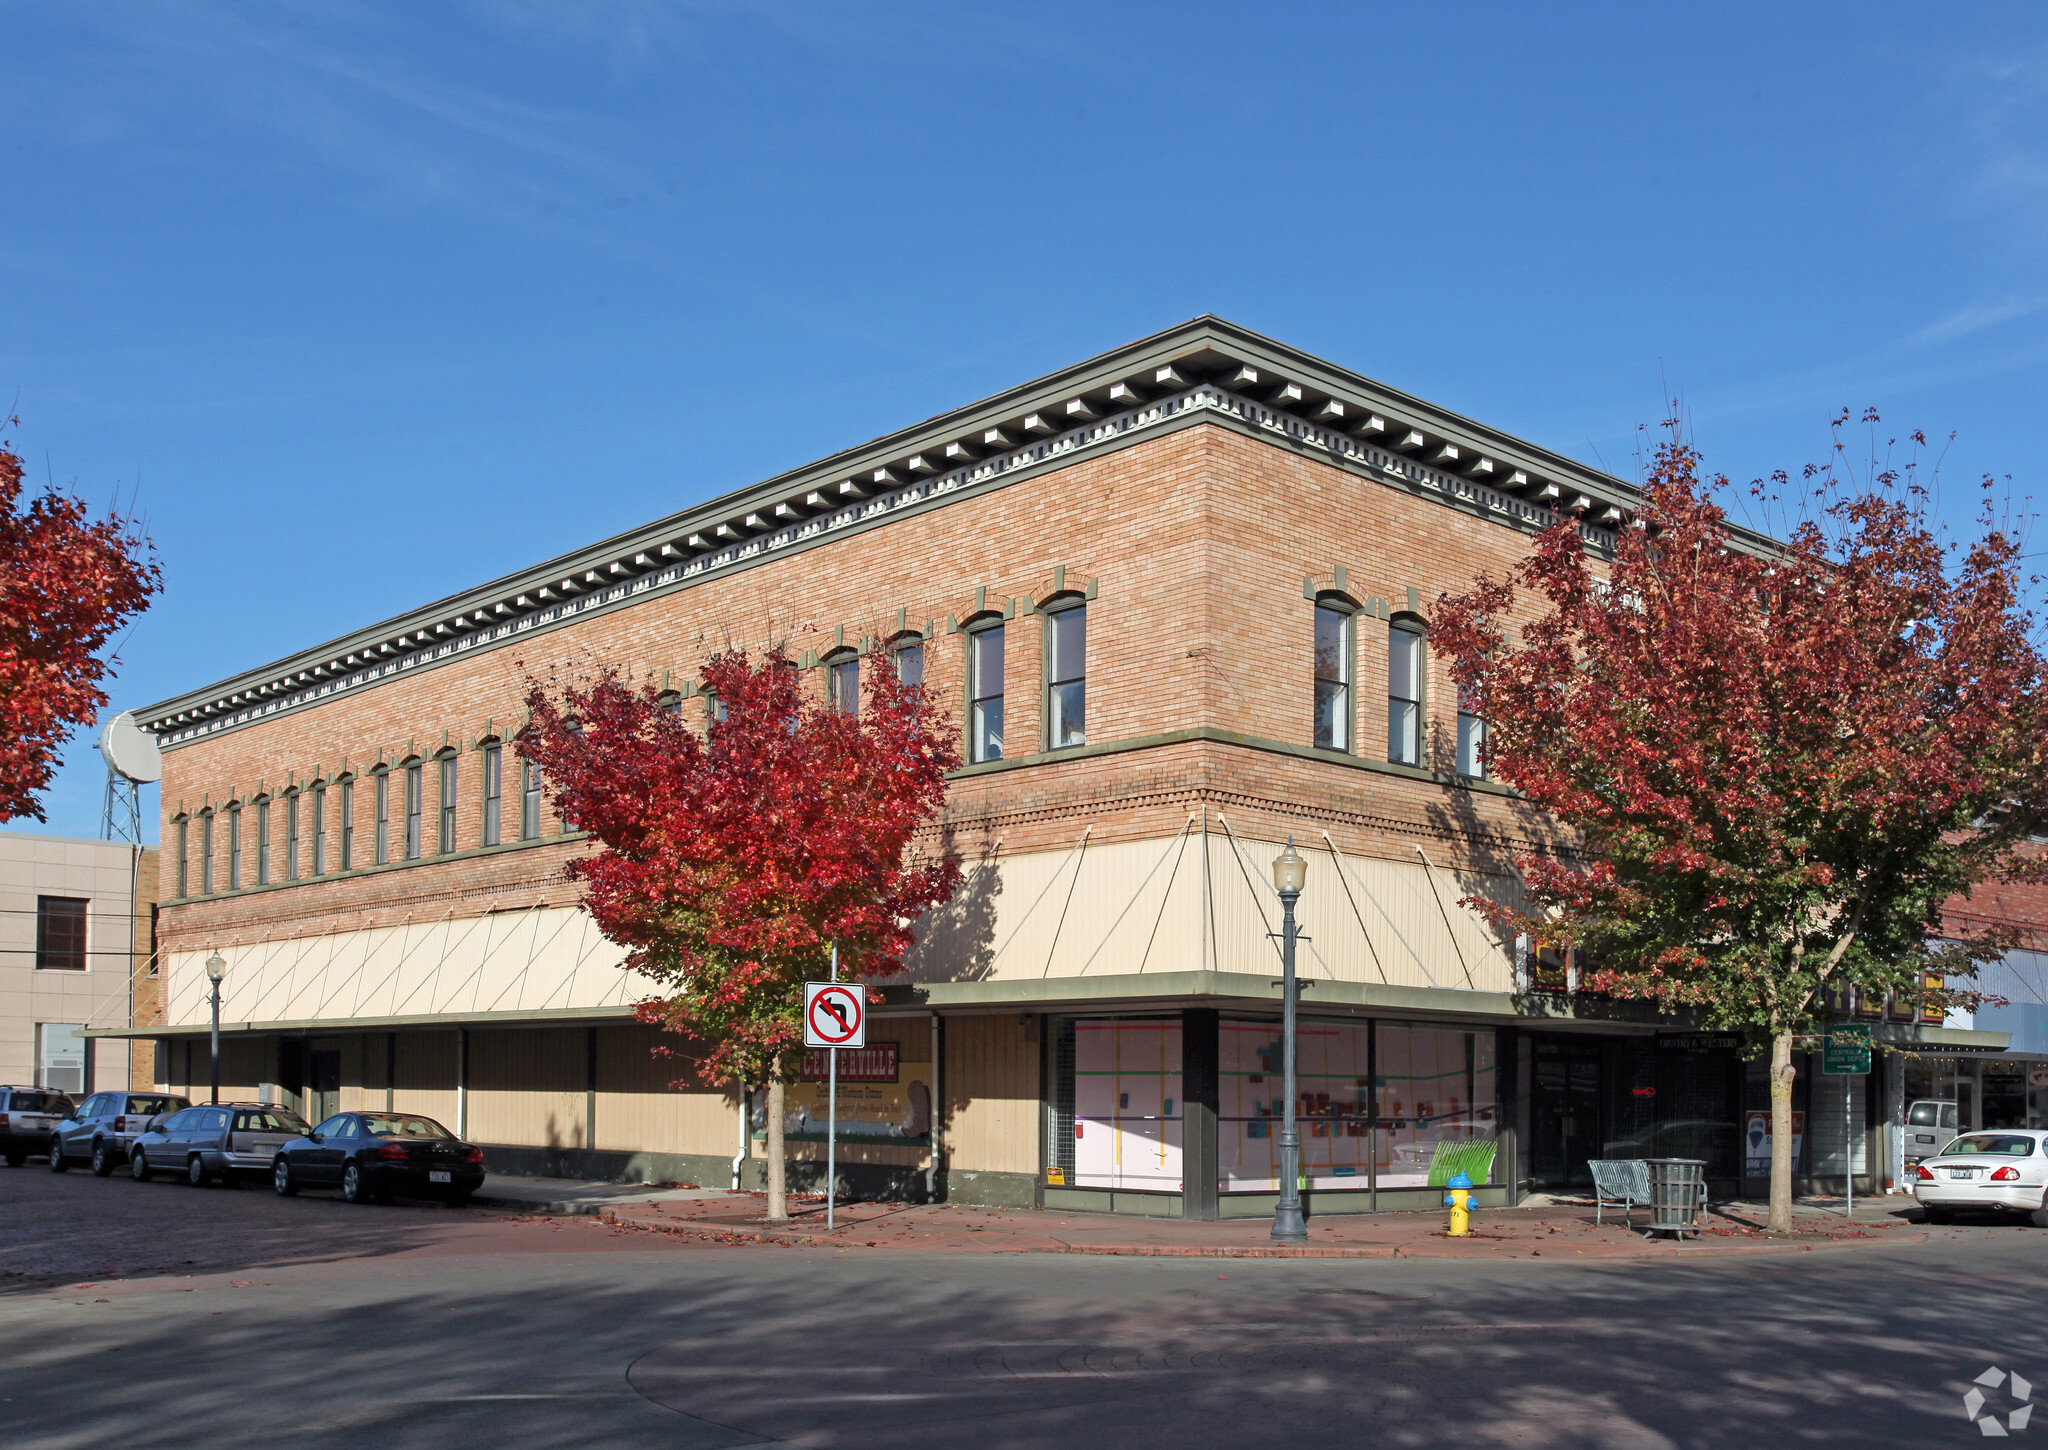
1845	1051
835	1016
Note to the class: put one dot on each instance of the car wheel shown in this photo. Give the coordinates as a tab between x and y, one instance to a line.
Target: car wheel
138	1166
195	1172
354	1186
102	1160
57	1163
281	1179
1936	1215
2039	1217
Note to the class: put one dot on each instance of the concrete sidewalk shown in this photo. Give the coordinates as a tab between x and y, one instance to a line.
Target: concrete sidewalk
570	1197
1553	1229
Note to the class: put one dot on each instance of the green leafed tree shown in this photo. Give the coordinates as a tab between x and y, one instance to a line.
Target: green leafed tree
1778	761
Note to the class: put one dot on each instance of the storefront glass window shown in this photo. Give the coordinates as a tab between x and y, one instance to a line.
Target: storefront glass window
1437	1105
1127	1104
1333	1075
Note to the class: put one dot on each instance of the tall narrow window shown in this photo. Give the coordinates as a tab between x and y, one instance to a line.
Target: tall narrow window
348	823
1066	690
60	933
529	801
985	694
493	792
1471	737
670	703
206	854
412	812
910	662
184	868
445	841
1333	678
1404	693
291	837
234	848
263	843
380	851
320	829
842	683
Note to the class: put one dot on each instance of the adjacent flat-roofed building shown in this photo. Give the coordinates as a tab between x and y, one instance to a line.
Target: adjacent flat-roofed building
1179	599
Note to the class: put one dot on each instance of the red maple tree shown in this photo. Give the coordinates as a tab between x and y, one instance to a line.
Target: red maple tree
68	581
1779	760
735	856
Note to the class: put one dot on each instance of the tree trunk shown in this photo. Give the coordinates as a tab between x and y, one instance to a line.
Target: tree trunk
778	1200
1782	1073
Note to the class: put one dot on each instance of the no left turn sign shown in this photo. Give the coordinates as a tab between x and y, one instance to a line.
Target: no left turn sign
835	1015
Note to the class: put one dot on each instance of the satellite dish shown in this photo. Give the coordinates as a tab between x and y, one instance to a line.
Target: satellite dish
131	751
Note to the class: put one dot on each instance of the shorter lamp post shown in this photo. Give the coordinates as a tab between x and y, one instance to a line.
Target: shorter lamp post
1290	874
215	970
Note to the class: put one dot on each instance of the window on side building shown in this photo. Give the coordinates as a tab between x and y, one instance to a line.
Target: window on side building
529	801
413	787
263	842
348	823
1404	690
1066	684
206	854
1333	645
60	933
842	683
1471	737
291	836
234	848
985	694
445	837
493	792
320	829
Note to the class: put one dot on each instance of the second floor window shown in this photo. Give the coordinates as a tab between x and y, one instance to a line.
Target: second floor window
529	801
412	812
206	854
1471	737
60	932
1404	694
184	867
381	851
1066	690
910	662
263	843
234	848
445	840
348	824
493	790
291	838
320	830
1333	678
985	695
842	683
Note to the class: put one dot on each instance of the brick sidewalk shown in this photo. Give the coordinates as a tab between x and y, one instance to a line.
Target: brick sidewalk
1555	1231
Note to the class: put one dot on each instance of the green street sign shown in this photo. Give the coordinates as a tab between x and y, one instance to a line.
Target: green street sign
1846	1051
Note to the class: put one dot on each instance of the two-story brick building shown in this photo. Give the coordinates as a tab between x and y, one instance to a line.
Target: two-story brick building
1180	595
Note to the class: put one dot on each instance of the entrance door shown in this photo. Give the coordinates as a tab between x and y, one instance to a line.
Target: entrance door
324	1087
1564	1111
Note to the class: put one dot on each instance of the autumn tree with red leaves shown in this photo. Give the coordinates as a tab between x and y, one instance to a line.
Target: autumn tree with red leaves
68	581
734	857
1780	760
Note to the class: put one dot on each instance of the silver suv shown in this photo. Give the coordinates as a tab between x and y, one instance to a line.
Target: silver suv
103	1127
27	1115
1930	1124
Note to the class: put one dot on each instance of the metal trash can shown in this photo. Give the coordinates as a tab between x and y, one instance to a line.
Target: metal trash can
1678	1194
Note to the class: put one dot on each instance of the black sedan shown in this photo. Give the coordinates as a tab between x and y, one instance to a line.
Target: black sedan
374	1157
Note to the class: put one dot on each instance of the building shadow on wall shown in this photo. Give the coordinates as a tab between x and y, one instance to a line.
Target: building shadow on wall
956	941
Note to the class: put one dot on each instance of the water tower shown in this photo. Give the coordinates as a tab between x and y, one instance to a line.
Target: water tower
133	761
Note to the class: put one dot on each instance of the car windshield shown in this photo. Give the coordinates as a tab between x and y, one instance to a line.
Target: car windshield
403	1125
40	1103
268	1120
1998	1145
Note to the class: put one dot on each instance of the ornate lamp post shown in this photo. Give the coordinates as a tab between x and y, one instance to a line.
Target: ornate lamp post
215	970
1290	874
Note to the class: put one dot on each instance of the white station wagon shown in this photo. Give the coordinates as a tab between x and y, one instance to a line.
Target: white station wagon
2002	1169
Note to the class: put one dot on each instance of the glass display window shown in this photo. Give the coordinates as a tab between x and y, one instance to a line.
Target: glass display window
1437	1105
1127	1103
1334	1110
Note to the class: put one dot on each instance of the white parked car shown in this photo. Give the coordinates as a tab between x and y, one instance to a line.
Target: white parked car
1998	1169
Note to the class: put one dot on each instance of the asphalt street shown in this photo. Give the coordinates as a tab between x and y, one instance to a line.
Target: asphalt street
163	1315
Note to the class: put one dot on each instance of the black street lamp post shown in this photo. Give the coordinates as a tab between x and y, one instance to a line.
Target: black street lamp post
1290	874
215	970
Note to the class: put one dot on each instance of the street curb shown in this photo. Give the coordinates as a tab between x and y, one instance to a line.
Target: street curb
1175	1251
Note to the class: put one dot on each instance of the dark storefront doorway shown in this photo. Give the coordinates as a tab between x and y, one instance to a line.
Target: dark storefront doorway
1564	1116
325	1099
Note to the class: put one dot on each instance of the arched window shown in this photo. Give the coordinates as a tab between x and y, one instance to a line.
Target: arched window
494	790
206	853
908	650
235	847
291	835
1404	690
320	828
414	786
184	859
1333	644
1066	673
348	822
529	800
1471	736
669	702
985	692
444	839
380	848
842	682
263	840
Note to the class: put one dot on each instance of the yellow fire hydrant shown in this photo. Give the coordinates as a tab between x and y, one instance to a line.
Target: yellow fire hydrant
1460	1199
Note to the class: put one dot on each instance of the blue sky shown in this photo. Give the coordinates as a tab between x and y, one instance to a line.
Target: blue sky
368	303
